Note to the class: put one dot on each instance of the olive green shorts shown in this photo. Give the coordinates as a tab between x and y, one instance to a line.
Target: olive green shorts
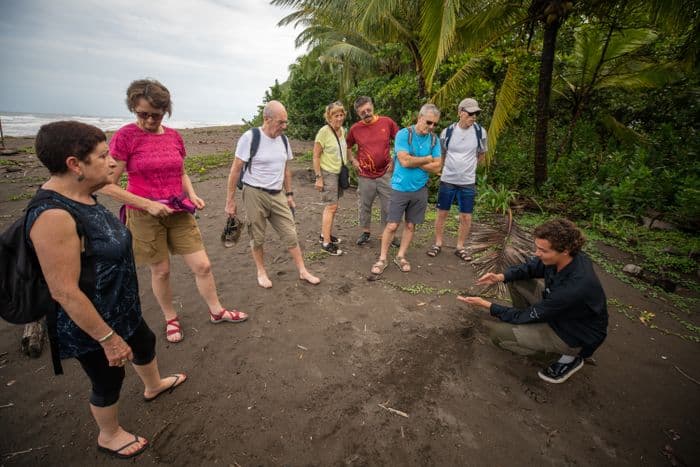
155	238
261	208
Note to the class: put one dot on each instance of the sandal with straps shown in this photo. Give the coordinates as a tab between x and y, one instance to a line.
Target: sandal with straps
378	267
402	263
463	254
434	251
175	328
229	316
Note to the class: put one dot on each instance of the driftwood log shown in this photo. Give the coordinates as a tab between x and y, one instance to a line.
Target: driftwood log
33	339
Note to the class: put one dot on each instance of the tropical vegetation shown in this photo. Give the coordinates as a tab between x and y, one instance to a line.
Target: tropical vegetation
590	105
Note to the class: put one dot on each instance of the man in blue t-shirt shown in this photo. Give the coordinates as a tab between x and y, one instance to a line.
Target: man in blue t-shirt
418	154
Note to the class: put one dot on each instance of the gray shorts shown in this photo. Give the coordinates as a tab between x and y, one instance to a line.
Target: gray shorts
331	191
411	203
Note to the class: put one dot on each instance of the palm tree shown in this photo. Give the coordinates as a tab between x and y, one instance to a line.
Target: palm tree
479	29
608	57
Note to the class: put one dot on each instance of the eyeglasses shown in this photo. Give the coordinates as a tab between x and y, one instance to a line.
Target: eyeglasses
471	114
147	115
430	123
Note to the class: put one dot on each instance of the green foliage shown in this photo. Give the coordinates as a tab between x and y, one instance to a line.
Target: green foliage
200	165
494	200
396	97
310	91
622	139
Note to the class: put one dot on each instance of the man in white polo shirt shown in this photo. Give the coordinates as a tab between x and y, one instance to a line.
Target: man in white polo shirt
265	175
464	144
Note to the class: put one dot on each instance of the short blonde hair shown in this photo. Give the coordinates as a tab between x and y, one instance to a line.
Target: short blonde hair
334	108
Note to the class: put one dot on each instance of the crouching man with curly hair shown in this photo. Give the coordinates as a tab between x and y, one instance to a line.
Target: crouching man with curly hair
568	315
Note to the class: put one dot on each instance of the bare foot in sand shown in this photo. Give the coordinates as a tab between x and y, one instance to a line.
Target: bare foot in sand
264	281
308	277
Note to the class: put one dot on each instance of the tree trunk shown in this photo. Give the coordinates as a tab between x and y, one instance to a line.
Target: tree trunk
543	93
420	73
33	339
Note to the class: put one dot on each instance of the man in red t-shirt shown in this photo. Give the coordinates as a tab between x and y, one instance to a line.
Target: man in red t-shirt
372	135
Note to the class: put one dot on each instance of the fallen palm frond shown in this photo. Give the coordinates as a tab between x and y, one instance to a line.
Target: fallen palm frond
499	243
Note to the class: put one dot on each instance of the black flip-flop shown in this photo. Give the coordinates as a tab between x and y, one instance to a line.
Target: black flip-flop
170	389
117	454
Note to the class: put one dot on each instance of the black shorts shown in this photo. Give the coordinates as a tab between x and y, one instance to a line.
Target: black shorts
107	380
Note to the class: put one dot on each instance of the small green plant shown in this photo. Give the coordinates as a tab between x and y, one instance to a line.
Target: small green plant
200	165
20	196
495	200
308	156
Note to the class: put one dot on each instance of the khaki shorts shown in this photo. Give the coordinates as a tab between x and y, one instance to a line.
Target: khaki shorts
154	238
261	207
331	191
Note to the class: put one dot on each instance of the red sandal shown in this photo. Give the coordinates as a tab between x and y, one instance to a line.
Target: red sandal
231	316
175	328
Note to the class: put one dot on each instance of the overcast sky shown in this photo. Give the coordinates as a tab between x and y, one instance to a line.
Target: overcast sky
217	57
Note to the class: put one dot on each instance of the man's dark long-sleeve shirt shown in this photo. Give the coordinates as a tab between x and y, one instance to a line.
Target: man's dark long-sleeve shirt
573	302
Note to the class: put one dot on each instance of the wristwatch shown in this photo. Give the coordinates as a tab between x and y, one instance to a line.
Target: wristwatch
318	176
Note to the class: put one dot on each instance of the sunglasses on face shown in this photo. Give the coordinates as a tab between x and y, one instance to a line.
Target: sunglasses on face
430	123
471	114
147	115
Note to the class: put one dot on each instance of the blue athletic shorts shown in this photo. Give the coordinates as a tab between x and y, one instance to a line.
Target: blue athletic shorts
465	195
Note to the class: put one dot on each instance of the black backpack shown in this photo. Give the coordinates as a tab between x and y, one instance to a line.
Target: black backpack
24	295
254	144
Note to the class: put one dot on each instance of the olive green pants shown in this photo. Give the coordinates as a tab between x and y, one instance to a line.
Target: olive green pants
527	339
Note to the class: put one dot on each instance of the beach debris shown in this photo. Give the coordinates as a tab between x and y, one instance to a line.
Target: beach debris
11	455
11	382
32	341
686	375
5	406
301	347
392	410
158	433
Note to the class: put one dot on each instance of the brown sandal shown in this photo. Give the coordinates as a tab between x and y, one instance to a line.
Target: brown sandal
402	263
463	254
434	251
379	267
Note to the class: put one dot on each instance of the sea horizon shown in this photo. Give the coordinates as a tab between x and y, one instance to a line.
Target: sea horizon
28	123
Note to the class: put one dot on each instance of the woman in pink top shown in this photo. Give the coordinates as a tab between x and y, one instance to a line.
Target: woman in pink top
160	202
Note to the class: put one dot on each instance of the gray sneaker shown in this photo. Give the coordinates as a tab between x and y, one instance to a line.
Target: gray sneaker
363	238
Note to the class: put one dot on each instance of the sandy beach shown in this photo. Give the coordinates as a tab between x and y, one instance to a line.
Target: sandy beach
310	379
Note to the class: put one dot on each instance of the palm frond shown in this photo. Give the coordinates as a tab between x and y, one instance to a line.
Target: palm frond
453	86
506	102
439	23
498	246
622	132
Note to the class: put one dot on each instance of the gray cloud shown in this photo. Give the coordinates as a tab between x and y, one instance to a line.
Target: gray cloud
217	57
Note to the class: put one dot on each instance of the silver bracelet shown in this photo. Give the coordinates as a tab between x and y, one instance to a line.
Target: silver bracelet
106	336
